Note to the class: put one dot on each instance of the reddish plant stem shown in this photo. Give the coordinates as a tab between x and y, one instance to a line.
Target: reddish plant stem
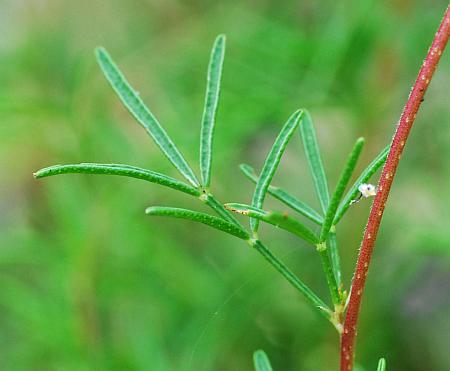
398	142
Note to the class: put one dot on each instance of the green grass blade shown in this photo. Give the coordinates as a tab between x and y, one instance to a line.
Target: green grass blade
381	365
261	361
363	178
139	110
118	169
277	219
285	197
271	163
209	113
212	221
340	188
312	152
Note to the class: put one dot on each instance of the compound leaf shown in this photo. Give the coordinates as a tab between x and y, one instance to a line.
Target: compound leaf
139	110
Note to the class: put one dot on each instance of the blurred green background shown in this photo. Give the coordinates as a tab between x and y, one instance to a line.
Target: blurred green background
88	282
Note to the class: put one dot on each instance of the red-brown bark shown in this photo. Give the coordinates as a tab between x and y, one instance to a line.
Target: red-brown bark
398	143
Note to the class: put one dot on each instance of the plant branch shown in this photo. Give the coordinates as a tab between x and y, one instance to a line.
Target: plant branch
398	142
312	298
214	204
334	255
328	269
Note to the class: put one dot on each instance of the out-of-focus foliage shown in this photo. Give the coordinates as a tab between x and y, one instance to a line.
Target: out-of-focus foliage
88	282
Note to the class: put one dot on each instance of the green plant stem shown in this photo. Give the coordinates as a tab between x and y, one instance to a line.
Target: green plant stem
328	269
233	227
281	220
334	255
312	298
330	257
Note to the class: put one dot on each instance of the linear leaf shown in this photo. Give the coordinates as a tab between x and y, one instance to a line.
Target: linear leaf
209	113
130	98
261	361
340	188
212	221
381	365
214	204
312	152
271	163
285	197
377	162
277	219
118	169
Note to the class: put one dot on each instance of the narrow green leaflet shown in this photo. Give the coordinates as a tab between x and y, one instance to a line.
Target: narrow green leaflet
312	152
209	113
118	169
139	110
363	178
196	216
214	204
271	163
340	188
277	219
261	361
285	197
381	365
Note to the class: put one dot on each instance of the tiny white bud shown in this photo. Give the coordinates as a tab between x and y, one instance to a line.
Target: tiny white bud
367	190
